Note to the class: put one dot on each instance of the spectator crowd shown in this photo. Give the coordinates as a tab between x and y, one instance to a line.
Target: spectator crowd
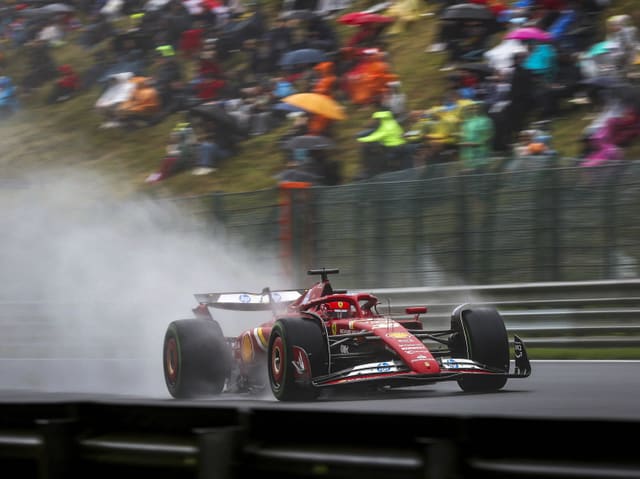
231	70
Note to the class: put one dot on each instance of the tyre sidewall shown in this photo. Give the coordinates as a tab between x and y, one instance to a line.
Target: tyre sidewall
287	334
485	341
202	358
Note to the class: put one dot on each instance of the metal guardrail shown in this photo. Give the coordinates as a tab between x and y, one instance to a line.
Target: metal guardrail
594	314
51	441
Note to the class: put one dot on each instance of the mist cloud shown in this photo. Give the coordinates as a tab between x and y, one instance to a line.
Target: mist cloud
90	282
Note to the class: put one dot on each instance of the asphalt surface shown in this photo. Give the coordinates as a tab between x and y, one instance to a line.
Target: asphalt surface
555	389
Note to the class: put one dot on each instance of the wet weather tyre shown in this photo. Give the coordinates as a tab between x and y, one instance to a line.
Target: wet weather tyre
482	337
288	336
196	359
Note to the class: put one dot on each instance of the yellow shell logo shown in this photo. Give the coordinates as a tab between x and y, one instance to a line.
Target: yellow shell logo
246	349
398	335
340	304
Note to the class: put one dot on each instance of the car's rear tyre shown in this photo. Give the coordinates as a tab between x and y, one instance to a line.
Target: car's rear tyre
195	357
480	335
290	340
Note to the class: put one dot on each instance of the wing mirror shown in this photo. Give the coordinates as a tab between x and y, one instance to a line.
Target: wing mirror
417	310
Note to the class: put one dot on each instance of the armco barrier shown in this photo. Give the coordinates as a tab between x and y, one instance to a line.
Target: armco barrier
169	440
555	314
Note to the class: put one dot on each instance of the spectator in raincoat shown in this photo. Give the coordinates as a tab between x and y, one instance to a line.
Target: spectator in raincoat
623	34
604	151
209	77
41	67
180	153
476	138
143	105
119	89
8	99
319	124
520	98
396	101
326	82
369	80
168	79
383	145
447	118
191	40
66	85
542	62
405	13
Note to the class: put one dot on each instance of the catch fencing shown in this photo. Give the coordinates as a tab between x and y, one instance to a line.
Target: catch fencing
421	227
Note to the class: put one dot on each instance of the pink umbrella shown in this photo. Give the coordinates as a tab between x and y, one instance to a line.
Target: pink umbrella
528	33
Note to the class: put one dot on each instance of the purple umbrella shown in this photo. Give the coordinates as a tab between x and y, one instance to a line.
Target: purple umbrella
528	33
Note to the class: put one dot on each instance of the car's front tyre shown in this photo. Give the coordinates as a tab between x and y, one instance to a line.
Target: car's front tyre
480	335
297	352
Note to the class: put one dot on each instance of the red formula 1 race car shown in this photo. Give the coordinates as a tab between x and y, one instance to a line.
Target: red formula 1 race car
322	338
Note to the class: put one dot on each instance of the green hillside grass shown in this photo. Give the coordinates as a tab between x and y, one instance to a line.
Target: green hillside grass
44	136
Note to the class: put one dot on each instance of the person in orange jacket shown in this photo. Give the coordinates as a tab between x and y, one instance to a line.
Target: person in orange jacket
369	81
326	83
143	104
319	124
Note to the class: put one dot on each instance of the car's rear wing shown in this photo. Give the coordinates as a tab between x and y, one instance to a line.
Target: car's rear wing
243	301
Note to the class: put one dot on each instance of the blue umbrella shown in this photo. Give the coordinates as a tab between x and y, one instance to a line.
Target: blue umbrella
302	56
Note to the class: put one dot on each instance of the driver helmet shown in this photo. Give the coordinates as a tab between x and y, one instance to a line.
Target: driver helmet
337	309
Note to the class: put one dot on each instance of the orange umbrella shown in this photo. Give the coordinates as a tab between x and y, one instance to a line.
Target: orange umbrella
317	103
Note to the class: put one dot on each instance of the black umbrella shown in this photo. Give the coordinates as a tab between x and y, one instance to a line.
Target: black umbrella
309	142
467	11
302	56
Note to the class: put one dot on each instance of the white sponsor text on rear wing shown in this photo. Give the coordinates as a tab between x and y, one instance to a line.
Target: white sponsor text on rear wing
242	301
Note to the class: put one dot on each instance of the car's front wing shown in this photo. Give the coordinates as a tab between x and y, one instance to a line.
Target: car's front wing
397	373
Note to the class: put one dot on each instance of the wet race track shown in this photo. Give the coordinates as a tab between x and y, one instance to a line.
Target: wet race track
555	389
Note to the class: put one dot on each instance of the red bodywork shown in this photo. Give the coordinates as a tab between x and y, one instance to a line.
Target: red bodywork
343	314
364	346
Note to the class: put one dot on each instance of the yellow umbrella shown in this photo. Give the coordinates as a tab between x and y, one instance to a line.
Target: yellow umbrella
317	103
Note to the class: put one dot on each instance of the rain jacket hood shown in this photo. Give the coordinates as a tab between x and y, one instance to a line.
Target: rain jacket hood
388	133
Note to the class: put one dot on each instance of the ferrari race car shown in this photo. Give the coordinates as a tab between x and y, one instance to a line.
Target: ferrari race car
321	338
